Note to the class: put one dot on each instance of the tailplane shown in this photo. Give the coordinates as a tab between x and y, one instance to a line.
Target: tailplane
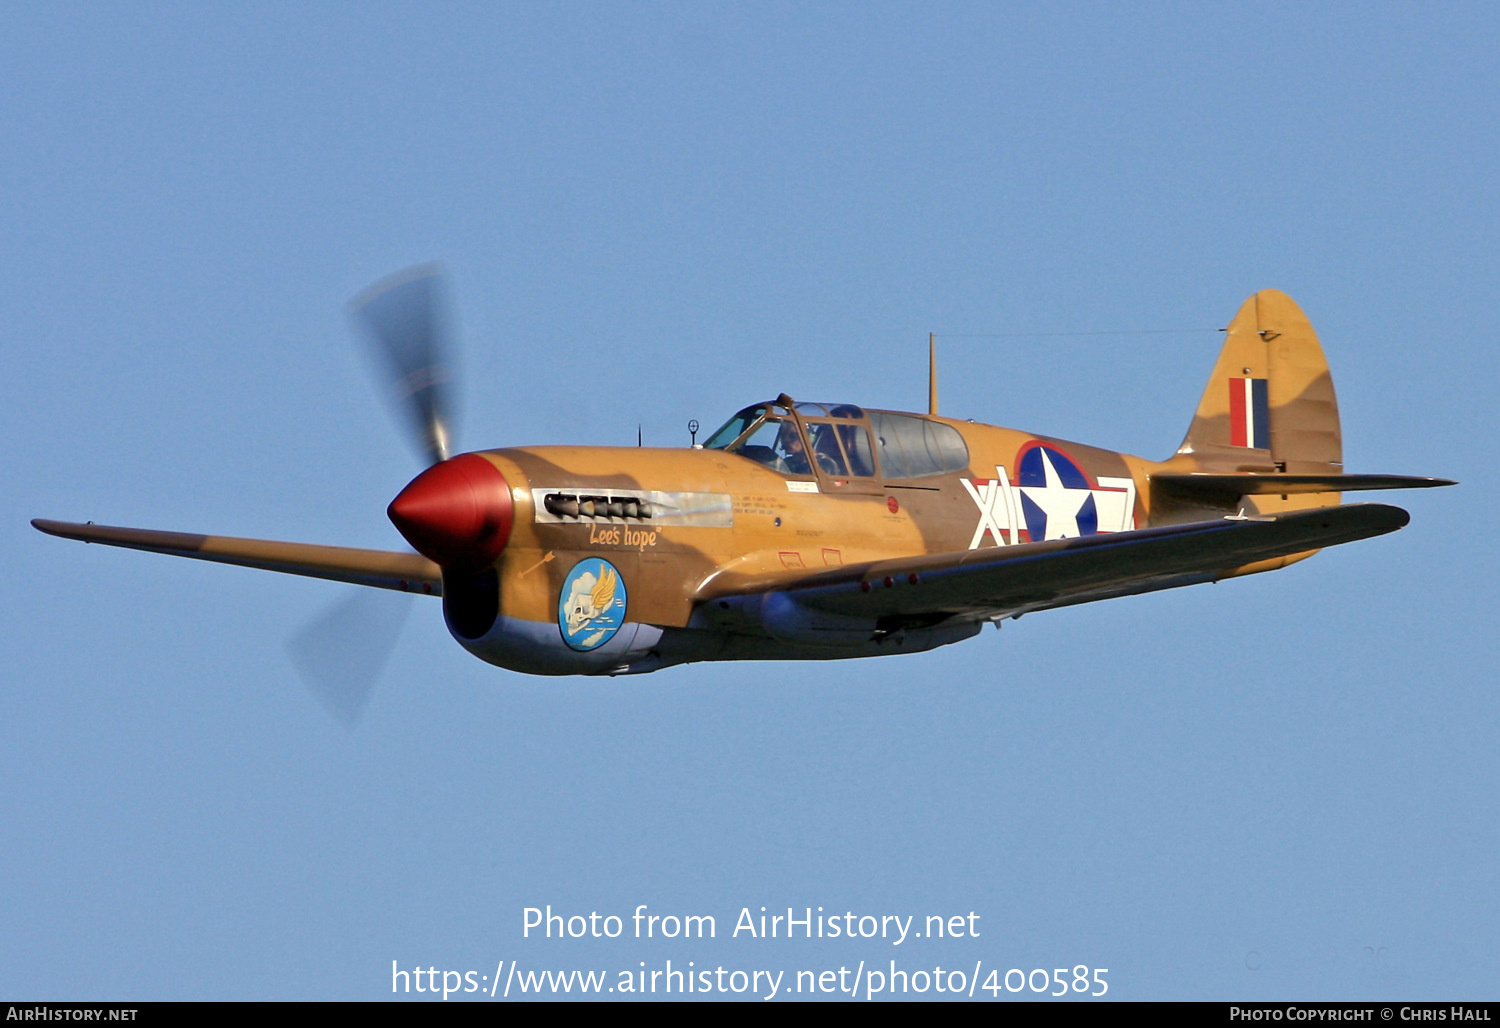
1265	438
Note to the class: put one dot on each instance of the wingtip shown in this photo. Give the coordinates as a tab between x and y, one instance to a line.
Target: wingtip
1420	482
63	529
1416	481
1382	517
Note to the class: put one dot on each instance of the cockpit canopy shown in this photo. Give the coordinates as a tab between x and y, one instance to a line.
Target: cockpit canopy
838	438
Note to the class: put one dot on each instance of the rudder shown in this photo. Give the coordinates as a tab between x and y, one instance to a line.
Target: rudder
1269	404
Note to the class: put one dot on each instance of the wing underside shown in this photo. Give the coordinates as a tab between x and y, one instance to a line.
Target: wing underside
975	585
382	569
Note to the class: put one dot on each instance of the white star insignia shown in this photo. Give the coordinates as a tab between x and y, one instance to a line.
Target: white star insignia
1057	502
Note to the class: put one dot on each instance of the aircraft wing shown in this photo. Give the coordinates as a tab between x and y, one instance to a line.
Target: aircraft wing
1000	581
406	572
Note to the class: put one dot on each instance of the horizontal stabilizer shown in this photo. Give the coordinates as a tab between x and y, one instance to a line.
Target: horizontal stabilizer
1225	490
406	572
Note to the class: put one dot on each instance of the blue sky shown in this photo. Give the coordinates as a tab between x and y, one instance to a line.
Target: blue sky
1283	787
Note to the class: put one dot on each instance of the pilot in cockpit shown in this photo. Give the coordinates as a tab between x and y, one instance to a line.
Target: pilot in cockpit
790	451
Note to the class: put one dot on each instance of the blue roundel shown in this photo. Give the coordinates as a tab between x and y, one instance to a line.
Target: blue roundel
1066	477
1032	471
591	606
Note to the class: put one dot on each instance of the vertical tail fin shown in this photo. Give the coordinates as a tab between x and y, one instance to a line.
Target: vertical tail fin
1270	403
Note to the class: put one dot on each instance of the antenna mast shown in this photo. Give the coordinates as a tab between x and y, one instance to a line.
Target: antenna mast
931	372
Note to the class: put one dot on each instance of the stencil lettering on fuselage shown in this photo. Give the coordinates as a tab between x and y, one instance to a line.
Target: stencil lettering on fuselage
1051	497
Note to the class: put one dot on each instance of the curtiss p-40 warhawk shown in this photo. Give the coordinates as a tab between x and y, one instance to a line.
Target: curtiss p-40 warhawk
815	530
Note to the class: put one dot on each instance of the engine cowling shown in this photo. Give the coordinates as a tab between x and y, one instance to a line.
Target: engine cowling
460	514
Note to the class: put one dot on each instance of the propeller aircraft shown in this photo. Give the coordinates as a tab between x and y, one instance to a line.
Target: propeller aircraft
815	530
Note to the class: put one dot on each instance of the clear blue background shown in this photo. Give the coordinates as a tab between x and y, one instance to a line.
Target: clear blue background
1277	787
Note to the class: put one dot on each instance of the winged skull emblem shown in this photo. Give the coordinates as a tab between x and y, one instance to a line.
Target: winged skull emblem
592	597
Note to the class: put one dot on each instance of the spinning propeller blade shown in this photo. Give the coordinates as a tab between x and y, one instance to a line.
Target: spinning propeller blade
403	317
341	653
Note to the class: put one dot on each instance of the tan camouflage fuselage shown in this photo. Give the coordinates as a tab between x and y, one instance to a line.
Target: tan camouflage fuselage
781	527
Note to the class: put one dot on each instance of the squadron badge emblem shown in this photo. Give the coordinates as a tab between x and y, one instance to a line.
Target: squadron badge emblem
591	606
